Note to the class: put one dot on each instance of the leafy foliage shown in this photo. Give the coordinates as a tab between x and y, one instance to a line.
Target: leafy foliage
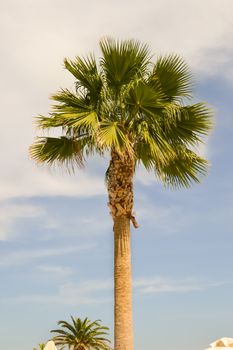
172	74
41	346
128	103
81	335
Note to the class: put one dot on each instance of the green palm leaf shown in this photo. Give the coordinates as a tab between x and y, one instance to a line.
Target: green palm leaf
185	168
62	150
123	61
137	112
173	76
85	70
111	134
82	335
41	346
145	100
186	124
127	104
71	112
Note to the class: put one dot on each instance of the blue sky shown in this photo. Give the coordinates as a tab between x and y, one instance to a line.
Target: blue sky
56	239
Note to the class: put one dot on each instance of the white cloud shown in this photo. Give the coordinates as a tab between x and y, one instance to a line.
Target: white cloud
37	41
41	182
22	257
145	177
57	271
167	285
160	217
11	212
194	28
100	291
88	288
90	292
163	285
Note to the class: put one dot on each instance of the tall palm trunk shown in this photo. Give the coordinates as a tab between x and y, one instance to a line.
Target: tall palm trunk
120	191
123	322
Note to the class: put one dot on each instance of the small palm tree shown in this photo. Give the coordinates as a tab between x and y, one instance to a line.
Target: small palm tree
136	112
81	335
41	346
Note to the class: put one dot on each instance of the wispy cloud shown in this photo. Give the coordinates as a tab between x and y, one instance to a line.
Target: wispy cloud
25	256
159	216
166	285
100	291
90	292
58	271
201	47
47	183
9	213
145	177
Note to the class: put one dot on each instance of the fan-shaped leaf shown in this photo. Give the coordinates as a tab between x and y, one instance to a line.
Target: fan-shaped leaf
123	61
173	75
58	150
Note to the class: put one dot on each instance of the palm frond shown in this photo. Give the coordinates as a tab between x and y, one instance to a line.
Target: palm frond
143	99
128	104
184	169
44	122
41	346
186	124
111	135
173	75
82	334
151	143
72	112
83	121
52	150
123	61
86	72
70	102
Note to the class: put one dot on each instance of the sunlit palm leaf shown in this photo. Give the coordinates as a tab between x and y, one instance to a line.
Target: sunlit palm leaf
81	123
86	72
132	106
156	144
186	124
185	168
72	111
48	122
174	77
80	335
58	150
123	61
144	99
41	346
73	102
111	134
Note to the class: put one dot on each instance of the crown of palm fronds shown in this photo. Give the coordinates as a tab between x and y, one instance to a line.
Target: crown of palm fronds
82	335
128	103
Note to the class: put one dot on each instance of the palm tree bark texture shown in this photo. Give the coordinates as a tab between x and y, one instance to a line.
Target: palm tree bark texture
120	191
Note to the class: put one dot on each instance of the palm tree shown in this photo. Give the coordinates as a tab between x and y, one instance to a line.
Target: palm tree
41	346
81	335
136	112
